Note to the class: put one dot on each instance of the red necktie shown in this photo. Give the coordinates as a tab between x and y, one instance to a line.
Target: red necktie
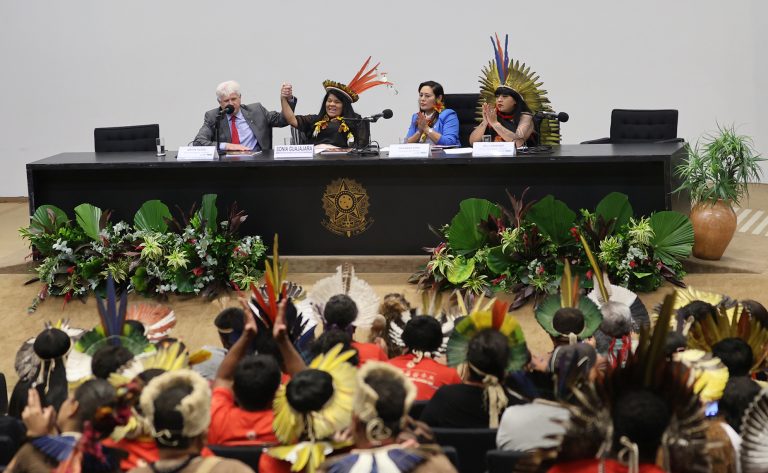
235	135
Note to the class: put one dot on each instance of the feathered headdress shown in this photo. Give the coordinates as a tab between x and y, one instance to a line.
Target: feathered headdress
112	330
264	302
686	295
569	297
305	429
730	323
506	73
754	434
684	443
363	80
346	282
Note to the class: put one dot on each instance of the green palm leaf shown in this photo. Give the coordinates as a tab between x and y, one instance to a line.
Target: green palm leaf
615	205
672	236
152	216
89	219
553	218
208	211
460	270
464	235
47	219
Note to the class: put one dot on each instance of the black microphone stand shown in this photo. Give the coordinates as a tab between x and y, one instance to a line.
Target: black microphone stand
216	132
369	149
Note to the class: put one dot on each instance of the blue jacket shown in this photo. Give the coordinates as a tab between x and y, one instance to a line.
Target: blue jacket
447	125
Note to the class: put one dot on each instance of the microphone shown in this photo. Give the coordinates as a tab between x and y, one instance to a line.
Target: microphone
386	114
561	117
227	109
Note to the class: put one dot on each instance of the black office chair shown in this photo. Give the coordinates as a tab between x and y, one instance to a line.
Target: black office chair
502	461
3	395
452	455
470	444
465	106
641	126
248	454
126	138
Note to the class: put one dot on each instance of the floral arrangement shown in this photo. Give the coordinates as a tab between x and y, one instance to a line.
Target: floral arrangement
488	248
157	255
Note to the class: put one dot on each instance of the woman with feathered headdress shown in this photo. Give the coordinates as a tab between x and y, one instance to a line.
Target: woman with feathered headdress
336	124
509	97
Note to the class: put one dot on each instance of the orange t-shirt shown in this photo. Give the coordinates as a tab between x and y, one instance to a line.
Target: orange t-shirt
368	352
141	451
428	375
231	425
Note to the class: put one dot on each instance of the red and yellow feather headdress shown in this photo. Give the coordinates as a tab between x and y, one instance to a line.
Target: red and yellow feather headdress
363	80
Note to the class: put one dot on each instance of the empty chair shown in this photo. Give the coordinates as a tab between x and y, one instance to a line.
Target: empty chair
502	461
126	138
248	454
465	106
641	126
470	444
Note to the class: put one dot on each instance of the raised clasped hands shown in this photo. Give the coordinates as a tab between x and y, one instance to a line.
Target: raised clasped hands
286	91
489	114
422	122
39	420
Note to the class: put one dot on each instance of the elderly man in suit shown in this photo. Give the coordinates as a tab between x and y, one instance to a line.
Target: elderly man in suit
247	127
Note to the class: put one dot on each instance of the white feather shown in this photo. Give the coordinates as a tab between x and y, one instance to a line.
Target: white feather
361	292
617	294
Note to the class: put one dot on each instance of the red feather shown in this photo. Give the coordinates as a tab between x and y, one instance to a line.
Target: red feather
499	312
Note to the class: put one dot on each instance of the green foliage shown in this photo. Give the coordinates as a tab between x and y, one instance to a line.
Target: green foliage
89	219
672	236
553	218
615	206
464	233
208	212
720	168
152	216
461	270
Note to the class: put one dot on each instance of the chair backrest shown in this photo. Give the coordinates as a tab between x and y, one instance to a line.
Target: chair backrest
126	138
3	395
633	126
465	106
417	408
248	454
502	461
470	444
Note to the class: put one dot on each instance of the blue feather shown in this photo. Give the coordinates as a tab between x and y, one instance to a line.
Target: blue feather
506	56
55	446
405	460
344	465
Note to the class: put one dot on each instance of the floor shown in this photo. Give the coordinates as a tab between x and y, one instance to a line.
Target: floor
742	273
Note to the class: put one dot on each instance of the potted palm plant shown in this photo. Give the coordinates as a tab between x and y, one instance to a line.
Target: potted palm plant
716	173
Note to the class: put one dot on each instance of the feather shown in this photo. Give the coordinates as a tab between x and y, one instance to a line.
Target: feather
754	433
57	447
566	287
360	291
595	268
158	320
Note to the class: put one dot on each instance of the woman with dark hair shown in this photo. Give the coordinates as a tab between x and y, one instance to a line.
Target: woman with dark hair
510	119
433	122
336	124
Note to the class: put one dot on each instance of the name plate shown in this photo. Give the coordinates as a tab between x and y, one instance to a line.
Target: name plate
294	152
482	149
197	153
410	150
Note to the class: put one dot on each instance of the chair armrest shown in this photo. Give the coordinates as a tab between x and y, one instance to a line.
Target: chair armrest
601	141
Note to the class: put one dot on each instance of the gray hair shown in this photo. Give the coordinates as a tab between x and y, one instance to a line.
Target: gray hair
225	89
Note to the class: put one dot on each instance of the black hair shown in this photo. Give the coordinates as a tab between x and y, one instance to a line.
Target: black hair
423	333
137	326
437	89
19	398
168	417
91	396
347	111
698	310
642	416
256	380
148	375
675	341
340	310
51	343
488	351
309	390
739	392
568	320
390	405
736	354
108	359
520	105
756	311
331	338
230	324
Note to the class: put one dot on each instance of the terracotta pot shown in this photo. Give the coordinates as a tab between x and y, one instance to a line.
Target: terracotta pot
713	228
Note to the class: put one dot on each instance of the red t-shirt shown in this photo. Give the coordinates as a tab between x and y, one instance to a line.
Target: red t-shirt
592	465
231	425
141	451
428	375
368	352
